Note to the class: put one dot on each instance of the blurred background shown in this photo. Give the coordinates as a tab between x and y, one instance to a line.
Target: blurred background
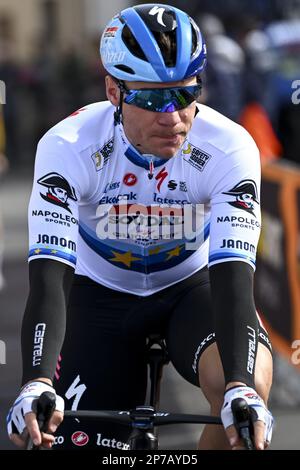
50	66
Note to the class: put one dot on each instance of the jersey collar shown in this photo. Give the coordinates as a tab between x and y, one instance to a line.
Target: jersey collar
135	156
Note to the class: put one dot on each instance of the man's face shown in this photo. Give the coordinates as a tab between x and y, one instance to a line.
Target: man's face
247	199
161	134
60	193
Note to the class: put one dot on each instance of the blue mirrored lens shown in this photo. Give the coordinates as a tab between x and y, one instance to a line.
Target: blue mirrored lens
163	100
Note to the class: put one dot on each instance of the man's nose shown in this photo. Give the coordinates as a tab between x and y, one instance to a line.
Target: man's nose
169	119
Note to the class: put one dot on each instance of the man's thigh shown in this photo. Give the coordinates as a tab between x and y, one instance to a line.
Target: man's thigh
99	368
191	329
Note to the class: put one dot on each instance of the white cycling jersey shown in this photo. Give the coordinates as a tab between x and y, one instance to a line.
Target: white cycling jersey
139	223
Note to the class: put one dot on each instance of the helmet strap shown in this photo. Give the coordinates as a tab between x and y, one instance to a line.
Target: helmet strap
118	113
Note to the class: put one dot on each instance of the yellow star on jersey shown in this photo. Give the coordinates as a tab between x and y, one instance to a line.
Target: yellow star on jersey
37	252
154	251
174	252
125	258
54	251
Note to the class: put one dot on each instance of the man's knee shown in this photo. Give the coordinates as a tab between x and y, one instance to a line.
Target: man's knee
211	377
212	381
263	372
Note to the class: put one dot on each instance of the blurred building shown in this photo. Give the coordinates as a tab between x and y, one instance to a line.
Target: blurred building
61	25
50	64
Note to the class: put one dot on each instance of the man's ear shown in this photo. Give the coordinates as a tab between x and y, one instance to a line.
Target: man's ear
112	90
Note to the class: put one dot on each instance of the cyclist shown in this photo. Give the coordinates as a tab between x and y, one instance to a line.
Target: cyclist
144	217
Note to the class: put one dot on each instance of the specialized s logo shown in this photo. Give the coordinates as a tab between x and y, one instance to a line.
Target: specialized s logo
59	190
159	11
160	177
245	194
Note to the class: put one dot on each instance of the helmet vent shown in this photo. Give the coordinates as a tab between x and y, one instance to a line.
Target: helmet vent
124	68
167	45
132	44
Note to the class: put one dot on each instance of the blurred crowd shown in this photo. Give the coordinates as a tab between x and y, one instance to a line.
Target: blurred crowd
42	92
253	60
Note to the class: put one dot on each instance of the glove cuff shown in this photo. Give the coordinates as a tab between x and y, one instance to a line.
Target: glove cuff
35	381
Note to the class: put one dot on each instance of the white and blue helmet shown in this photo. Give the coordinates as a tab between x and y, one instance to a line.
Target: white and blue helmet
134	48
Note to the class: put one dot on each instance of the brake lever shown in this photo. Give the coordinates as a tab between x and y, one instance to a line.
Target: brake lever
243	422
44	406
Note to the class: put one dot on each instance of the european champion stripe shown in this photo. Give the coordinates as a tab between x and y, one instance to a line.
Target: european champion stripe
130	260
54	253
215	256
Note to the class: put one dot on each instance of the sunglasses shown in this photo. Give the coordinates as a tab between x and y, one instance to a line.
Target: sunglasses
162	100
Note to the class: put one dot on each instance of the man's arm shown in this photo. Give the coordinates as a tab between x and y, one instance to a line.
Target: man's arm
236	323
237	332
44	321
233	184
43	331
59	183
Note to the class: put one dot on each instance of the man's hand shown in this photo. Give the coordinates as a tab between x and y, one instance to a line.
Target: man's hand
262	421
22	422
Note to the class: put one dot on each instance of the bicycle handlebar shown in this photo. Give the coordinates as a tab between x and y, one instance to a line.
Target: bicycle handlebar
159	418
143	415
